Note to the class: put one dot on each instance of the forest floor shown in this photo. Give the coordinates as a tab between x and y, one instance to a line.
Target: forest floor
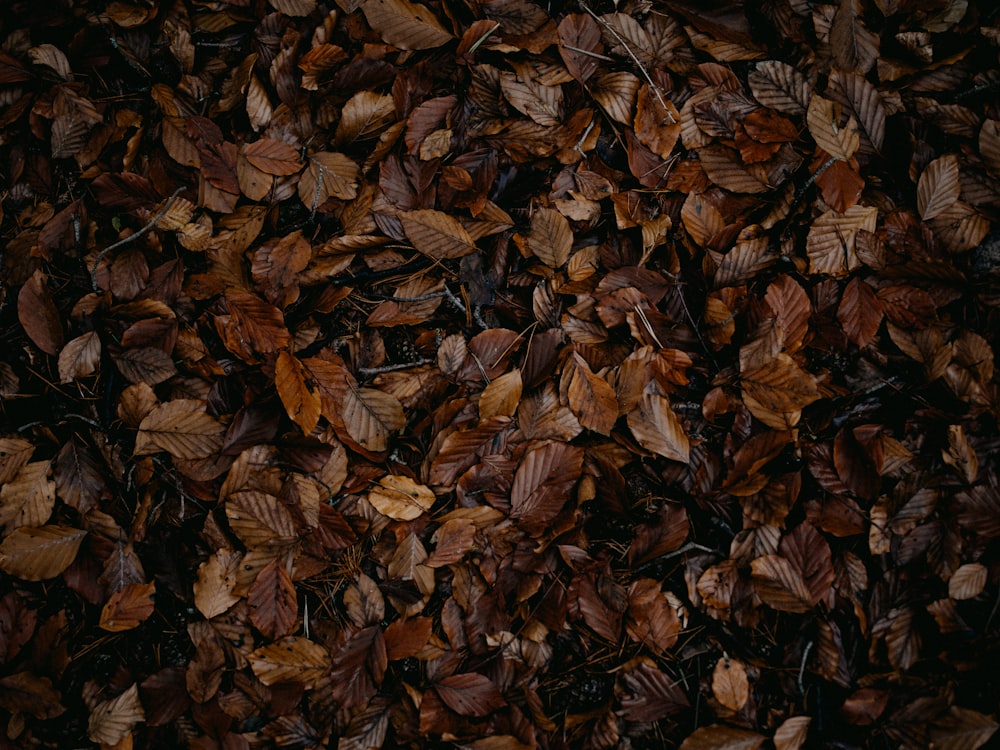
499	375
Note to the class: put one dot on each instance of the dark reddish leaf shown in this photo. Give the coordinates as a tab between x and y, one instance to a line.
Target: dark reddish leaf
470	694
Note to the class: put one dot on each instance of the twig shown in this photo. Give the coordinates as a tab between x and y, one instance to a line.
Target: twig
133	237
624	43
368	371
802	670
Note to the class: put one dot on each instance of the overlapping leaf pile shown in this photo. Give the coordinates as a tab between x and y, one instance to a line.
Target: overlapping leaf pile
499	374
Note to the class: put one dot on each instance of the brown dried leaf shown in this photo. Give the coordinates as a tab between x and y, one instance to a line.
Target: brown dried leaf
113	720
400	498
721	737
182	429
273	602
292	659
551	239
36	554
213	591
404	24
297	392
657	428
780	585
38	314
589	396
436	234
730	685
543	484
470	694
128	607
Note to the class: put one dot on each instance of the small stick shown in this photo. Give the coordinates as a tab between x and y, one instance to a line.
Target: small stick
133	237
802	670
368	371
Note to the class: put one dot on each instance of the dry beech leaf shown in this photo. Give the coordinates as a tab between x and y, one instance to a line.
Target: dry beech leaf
38	314
371	417
839	139
28	498
213	591
272	600
400	498
968	581
656	428
39	553
729	683
292	659
470	694
792	733
501	397
543	484
128	607
437	235
550	239
297	393
939	187
780	585
721	737
589	396
80	357
404	24
182	429
113	720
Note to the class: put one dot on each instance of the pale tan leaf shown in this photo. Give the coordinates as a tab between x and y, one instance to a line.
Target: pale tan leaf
80	357
780	86
616	93
113	720
404	24
53	58
28	498
436	234
213	590
780	585
36	554
939	187
14	453
371	417
292	659
328	175
363	116
543	104
730	685
400	498
840	140
792	733
830	243
960	227
721	737
968	581
501	397
182	429
725	168
260	520
656	428
701	219
551	239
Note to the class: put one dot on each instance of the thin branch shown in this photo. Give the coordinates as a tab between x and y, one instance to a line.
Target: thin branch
133	237
369	371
